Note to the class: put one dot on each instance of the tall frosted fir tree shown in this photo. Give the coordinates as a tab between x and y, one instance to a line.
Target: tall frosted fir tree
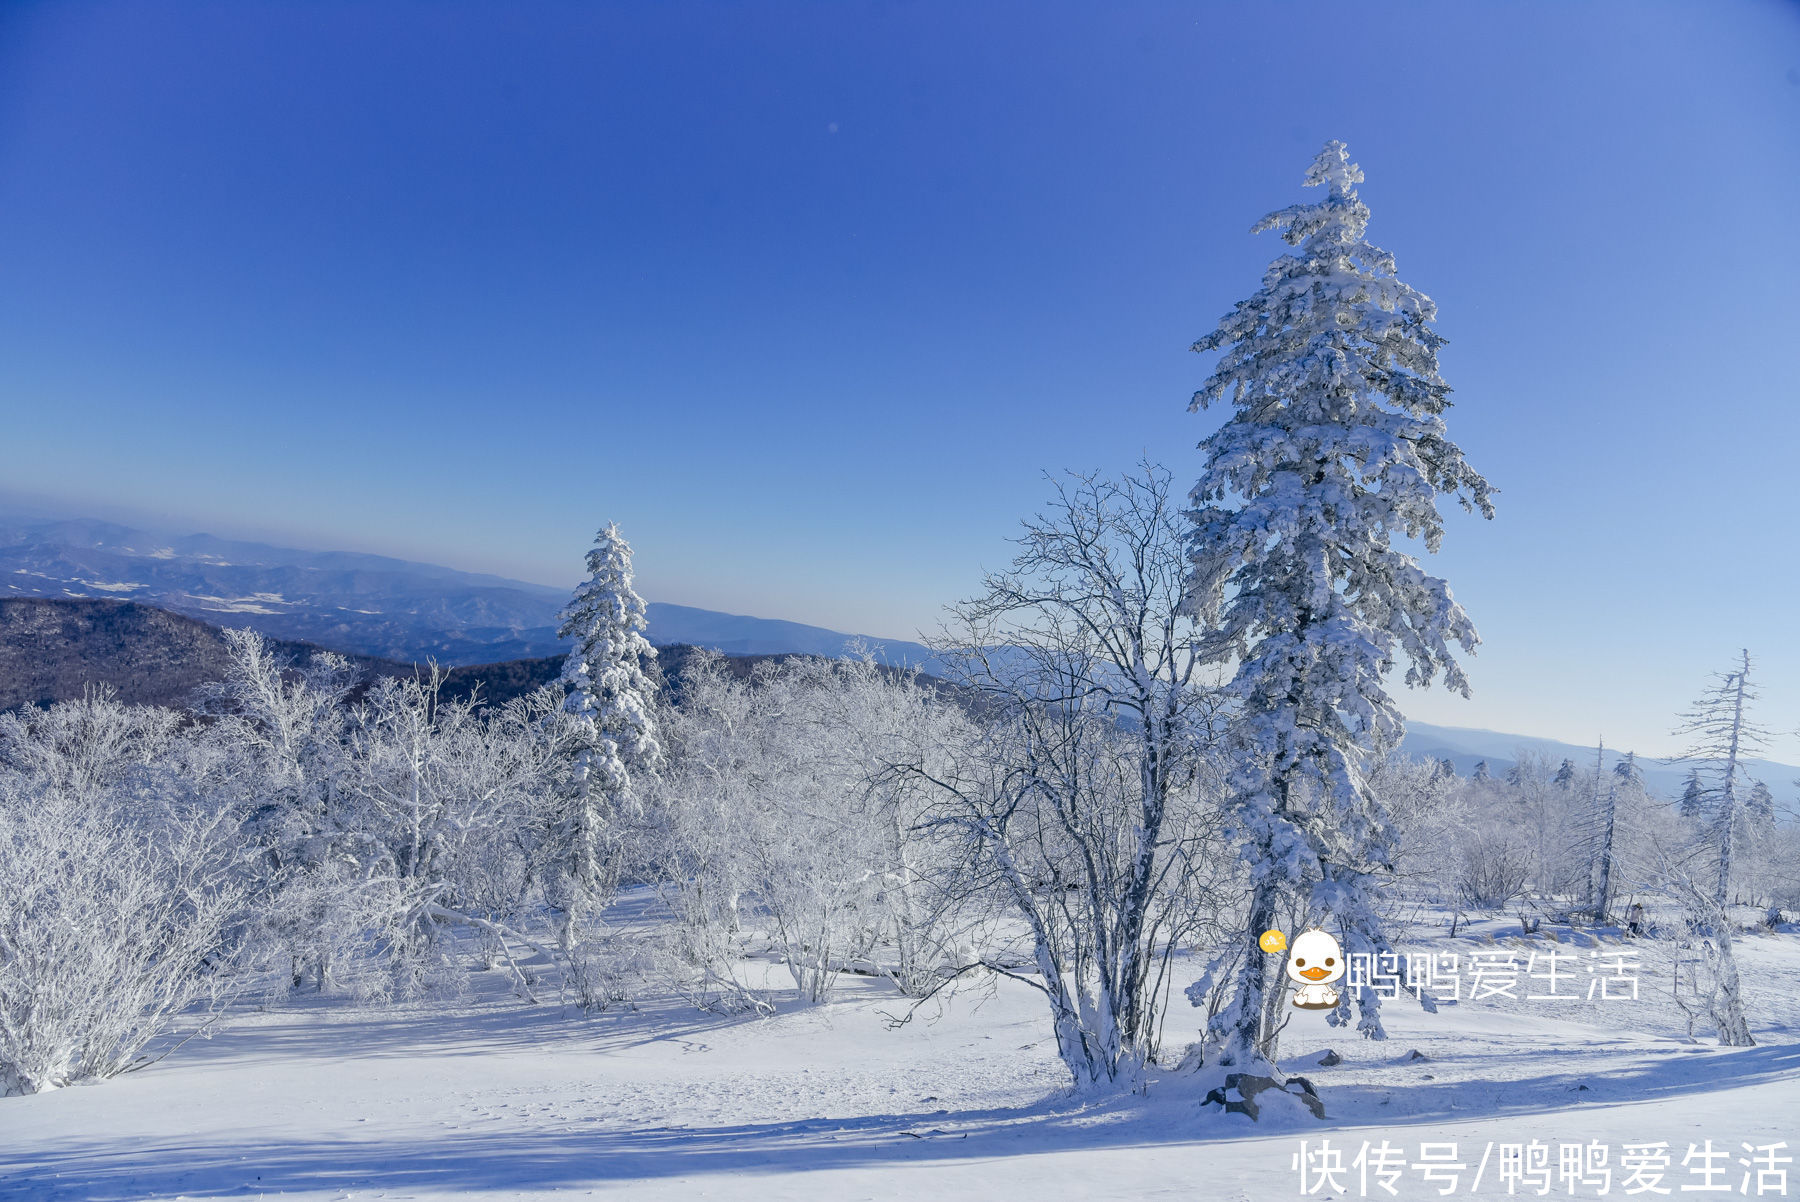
1336	446
610	697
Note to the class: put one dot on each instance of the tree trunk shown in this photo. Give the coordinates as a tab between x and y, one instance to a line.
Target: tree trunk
1249	1041
1728	1003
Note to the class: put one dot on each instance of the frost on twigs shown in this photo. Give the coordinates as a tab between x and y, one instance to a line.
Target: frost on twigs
118	899
1085	803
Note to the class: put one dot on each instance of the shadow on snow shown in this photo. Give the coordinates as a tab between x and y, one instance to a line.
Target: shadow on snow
544	1158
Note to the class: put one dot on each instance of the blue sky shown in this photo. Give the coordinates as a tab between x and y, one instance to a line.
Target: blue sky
807	297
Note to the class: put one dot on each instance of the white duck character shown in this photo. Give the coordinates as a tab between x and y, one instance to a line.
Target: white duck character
1314	962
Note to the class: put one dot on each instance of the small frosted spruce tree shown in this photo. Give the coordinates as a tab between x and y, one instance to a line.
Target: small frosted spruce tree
610	696
1337	445
1693	796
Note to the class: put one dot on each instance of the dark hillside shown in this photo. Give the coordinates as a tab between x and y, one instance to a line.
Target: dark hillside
53	650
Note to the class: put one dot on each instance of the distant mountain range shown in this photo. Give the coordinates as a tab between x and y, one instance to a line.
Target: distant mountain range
57	649
372	605
1466	748
397	613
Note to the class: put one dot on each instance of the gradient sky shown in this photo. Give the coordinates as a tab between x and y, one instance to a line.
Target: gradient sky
807	297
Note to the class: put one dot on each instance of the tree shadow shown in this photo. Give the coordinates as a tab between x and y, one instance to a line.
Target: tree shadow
340	1027
1678	1071
584	1151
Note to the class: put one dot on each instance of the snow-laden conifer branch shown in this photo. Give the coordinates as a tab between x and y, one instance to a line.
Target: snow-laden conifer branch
611	698
1335	448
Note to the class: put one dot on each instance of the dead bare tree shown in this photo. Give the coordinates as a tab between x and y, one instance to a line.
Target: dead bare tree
1723	736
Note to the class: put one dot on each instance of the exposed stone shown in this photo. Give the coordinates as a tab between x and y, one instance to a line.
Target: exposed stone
1239	1093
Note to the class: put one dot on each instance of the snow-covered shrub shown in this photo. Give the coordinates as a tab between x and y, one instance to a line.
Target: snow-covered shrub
118	901
1423	801
607	969
441	794
88	748
882	735
287	721
1776	865
314	924
702	965
380	825
282	727
785	823
1492	864
702	815
761	844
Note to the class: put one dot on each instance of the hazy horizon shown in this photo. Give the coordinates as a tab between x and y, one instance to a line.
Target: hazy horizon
51	508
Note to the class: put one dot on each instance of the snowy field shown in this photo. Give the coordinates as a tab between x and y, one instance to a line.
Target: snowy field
493	1099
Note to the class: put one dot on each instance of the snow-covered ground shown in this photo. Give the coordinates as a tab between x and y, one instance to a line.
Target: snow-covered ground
490	1098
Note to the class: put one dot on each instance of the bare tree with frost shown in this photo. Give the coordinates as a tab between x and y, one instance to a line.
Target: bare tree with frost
1626	779
870	727
285	723
1722	737
1594	823
290	719
445	788
786	826
1084	806
1336	446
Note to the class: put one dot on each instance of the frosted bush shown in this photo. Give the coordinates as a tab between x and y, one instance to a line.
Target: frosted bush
110	928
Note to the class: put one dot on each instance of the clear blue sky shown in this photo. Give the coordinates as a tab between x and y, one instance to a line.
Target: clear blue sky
807	296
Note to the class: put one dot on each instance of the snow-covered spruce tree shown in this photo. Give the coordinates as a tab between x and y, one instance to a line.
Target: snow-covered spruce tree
1693	795
1760	805
1337	445
610	697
